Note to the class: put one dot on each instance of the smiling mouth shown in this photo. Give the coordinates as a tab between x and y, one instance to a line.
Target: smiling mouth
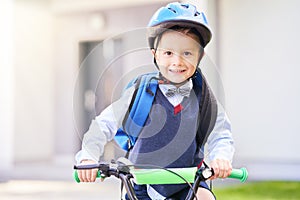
177	70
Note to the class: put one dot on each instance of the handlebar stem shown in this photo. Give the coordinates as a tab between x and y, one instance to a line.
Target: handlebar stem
128	186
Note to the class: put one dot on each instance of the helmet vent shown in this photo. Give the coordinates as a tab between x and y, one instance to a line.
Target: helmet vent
174	11
185	5
196	14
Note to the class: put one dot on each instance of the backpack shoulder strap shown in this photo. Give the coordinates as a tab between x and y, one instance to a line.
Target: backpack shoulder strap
138	111
208	109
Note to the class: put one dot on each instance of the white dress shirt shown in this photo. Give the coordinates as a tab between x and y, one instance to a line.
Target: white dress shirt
219	144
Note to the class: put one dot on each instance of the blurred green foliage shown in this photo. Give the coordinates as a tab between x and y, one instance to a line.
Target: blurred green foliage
272	190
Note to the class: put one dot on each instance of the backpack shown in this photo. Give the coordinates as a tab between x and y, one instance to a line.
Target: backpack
141	103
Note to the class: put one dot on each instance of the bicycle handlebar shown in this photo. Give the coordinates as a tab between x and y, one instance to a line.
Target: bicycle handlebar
170	175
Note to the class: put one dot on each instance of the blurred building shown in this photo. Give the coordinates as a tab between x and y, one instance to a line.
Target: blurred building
50	90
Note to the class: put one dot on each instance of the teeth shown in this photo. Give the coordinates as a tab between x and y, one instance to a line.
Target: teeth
176	70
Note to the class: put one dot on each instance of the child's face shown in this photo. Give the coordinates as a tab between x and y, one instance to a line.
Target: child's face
177	56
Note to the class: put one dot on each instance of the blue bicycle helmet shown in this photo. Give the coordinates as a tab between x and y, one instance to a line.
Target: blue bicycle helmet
178	14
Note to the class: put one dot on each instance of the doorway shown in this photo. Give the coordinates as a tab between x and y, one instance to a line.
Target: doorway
96	83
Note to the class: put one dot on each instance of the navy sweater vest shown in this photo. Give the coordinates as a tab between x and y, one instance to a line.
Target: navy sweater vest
168	139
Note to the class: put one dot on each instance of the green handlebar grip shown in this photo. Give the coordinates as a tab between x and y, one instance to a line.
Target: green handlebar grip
162	176
241	174
76	178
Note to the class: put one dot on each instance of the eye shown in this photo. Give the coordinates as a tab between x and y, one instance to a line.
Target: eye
168	53
187	53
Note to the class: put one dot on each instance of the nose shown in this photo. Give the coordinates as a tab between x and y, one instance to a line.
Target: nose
177	60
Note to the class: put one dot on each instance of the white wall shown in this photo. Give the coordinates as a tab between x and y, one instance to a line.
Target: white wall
6	89
71	6
259	43
34	81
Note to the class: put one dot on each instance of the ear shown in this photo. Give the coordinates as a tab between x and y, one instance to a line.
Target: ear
153	52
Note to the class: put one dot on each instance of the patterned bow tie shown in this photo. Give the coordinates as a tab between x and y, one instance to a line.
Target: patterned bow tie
184	91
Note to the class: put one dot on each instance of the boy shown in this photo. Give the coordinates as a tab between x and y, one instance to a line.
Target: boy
178	34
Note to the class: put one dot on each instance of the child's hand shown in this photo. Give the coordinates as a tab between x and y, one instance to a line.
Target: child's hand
222	168
87	175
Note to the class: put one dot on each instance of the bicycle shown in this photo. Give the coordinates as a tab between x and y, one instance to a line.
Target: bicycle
150	175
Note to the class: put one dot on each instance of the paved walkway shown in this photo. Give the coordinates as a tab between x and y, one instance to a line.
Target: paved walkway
58	190
48	181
